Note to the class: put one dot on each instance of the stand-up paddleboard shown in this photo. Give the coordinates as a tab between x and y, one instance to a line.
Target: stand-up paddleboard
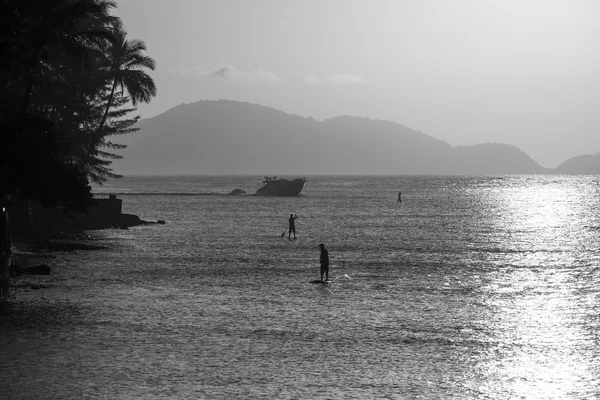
320	281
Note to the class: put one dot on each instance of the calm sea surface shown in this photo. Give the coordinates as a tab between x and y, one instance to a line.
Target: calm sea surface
471	288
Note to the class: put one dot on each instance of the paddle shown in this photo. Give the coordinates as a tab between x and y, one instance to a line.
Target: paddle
283	234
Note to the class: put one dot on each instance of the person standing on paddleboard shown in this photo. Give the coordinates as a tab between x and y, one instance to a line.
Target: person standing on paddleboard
292	225
324	262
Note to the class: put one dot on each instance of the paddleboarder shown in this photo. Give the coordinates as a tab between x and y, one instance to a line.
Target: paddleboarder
399	197
324	259
292	225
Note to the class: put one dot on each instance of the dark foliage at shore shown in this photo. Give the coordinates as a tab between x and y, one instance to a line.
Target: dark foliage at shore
67	73
61	65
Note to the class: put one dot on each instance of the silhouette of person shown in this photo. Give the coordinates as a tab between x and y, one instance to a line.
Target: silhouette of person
399	197
324	259
292	225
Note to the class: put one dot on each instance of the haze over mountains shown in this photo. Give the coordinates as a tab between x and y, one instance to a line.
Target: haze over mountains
230	137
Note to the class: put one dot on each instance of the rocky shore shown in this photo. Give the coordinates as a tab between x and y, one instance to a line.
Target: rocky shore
38	232
33	261
103	214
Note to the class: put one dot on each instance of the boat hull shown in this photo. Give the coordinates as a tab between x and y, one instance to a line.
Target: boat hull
281	187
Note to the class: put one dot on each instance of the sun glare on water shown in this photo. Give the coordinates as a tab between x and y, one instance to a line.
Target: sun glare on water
539	301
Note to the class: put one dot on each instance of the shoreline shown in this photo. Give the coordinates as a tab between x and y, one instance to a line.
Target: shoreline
30	296
45	302
30	254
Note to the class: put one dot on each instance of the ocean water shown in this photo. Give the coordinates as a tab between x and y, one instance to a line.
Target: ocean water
471	288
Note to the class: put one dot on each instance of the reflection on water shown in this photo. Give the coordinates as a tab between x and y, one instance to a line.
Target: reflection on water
543	335
545	290
473	287
547	216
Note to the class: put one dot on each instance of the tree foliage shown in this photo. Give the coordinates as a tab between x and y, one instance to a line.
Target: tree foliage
61	62
126	58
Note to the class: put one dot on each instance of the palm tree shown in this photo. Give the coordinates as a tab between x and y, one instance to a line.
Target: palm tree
75	26
125	62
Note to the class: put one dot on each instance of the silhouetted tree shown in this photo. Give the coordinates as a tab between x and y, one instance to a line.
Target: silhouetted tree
53	179
126	58
35	29
60	63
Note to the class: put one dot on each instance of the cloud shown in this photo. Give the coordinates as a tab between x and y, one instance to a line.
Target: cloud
341	79
223	72
229	73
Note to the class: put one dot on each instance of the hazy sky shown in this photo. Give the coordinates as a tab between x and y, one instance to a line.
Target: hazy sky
522	72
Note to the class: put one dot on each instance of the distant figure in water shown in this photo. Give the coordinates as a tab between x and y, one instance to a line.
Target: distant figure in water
292	225
324	262
399	197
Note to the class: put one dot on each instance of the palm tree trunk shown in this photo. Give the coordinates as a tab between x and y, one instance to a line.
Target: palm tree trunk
112	92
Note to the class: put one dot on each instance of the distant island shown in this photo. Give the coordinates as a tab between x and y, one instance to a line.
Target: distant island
231	137
583	164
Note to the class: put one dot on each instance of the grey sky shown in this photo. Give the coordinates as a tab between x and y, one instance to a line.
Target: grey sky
522	72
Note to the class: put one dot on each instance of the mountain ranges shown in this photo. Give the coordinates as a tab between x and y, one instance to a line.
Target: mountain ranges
228	137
